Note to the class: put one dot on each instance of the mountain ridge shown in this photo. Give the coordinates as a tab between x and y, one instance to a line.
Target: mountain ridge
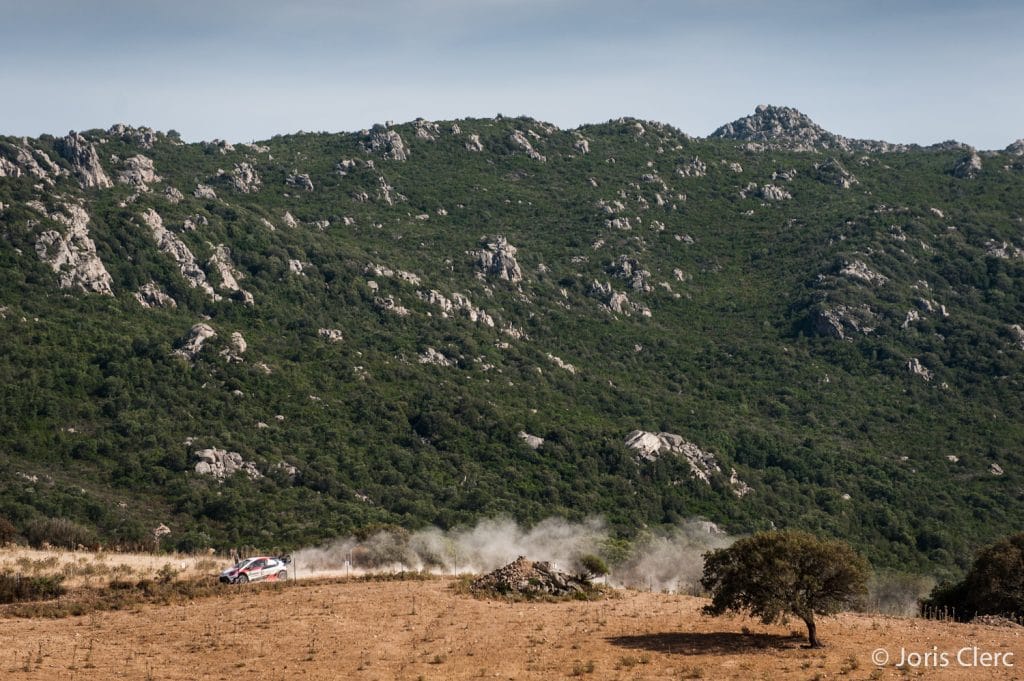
434	322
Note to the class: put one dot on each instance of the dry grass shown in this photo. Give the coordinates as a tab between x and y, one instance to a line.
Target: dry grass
96	569
423	629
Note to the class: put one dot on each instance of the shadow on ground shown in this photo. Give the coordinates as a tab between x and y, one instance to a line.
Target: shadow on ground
691	643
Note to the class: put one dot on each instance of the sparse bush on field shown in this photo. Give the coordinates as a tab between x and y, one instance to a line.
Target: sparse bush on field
59	532
18	588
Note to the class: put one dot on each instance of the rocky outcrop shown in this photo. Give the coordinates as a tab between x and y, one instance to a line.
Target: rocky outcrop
768	192
616	301
857	269
561	364
245	179
222	464
194	222
832	172
782	127
169	243
20	160
236	348
138	172
385	271
387	143
694	168
428	131
532	441
842	321
388	304
331	335
1015	148
432	356
85	162
1017	333
221	263
173	196
703	465
142	137
204	192
968	167
633	272
915	367
517	138
194	342
457	303
582	145
149	295
497	258
298	180
474	143
72	253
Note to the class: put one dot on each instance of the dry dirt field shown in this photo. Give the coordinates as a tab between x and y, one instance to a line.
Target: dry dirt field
425	630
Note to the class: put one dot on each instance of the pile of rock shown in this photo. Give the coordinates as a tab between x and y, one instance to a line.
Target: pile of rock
526	577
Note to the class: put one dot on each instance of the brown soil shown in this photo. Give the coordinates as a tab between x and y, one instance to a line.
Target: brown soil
425	630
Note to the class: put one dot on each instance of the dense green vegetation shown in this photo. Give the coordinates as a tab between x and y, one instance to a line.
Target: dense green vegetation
836	436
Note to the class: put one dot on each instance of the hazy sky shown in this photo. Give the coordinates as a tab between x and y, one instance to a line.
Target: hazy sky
900	70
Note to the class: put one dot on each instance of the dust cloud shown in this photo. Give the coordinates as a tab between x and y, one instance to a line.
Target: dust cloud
670	560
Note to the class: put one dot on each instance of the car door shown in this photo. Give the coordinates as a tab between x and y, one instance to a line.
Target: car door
257	570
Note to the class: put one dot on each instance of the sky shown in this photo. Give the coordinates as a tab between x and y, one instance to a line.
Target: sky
919	71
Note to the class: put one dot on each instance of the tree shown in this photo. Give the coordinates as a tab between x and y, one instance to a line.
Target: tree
775	574
993	586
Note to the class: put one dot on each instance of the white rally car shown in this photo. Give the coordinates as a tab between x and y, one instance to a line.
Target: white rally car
256	569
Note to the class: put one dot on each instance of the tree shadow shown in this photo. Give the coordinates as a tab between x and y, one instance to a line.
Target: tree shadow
712	643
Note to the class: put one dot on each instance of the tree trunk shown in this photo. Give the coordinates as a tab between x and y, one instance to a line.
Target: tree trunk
812	633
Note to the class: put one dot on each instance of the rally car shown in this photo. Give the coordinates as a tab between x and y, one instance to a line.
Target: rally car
256	569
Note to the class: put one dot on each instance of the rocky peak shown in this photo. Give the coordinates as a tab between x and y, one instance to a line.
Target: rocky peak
387	143
1015	148
84	160
783	127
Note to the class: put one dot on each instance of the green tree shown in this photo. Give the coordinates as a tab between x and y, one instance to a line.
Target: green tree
775	574
993	586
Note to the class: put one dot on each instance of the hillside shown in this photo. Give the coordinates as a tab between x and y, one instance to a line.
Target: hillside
429	323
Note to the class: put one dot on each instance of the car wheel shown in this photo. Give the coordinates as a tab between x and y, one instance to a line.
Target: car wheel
242	579
282	575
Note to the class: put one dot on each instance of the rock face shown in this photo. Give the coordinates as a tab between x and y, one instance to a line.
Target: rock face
245	179
695	168
474	143
703	465
782	127
518	139
22	160
387	143
561	364
84	161
197	337
968	167
768	192
138	172
149	296
1015	148
528	578
497	258
72	254
168	242
222	464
